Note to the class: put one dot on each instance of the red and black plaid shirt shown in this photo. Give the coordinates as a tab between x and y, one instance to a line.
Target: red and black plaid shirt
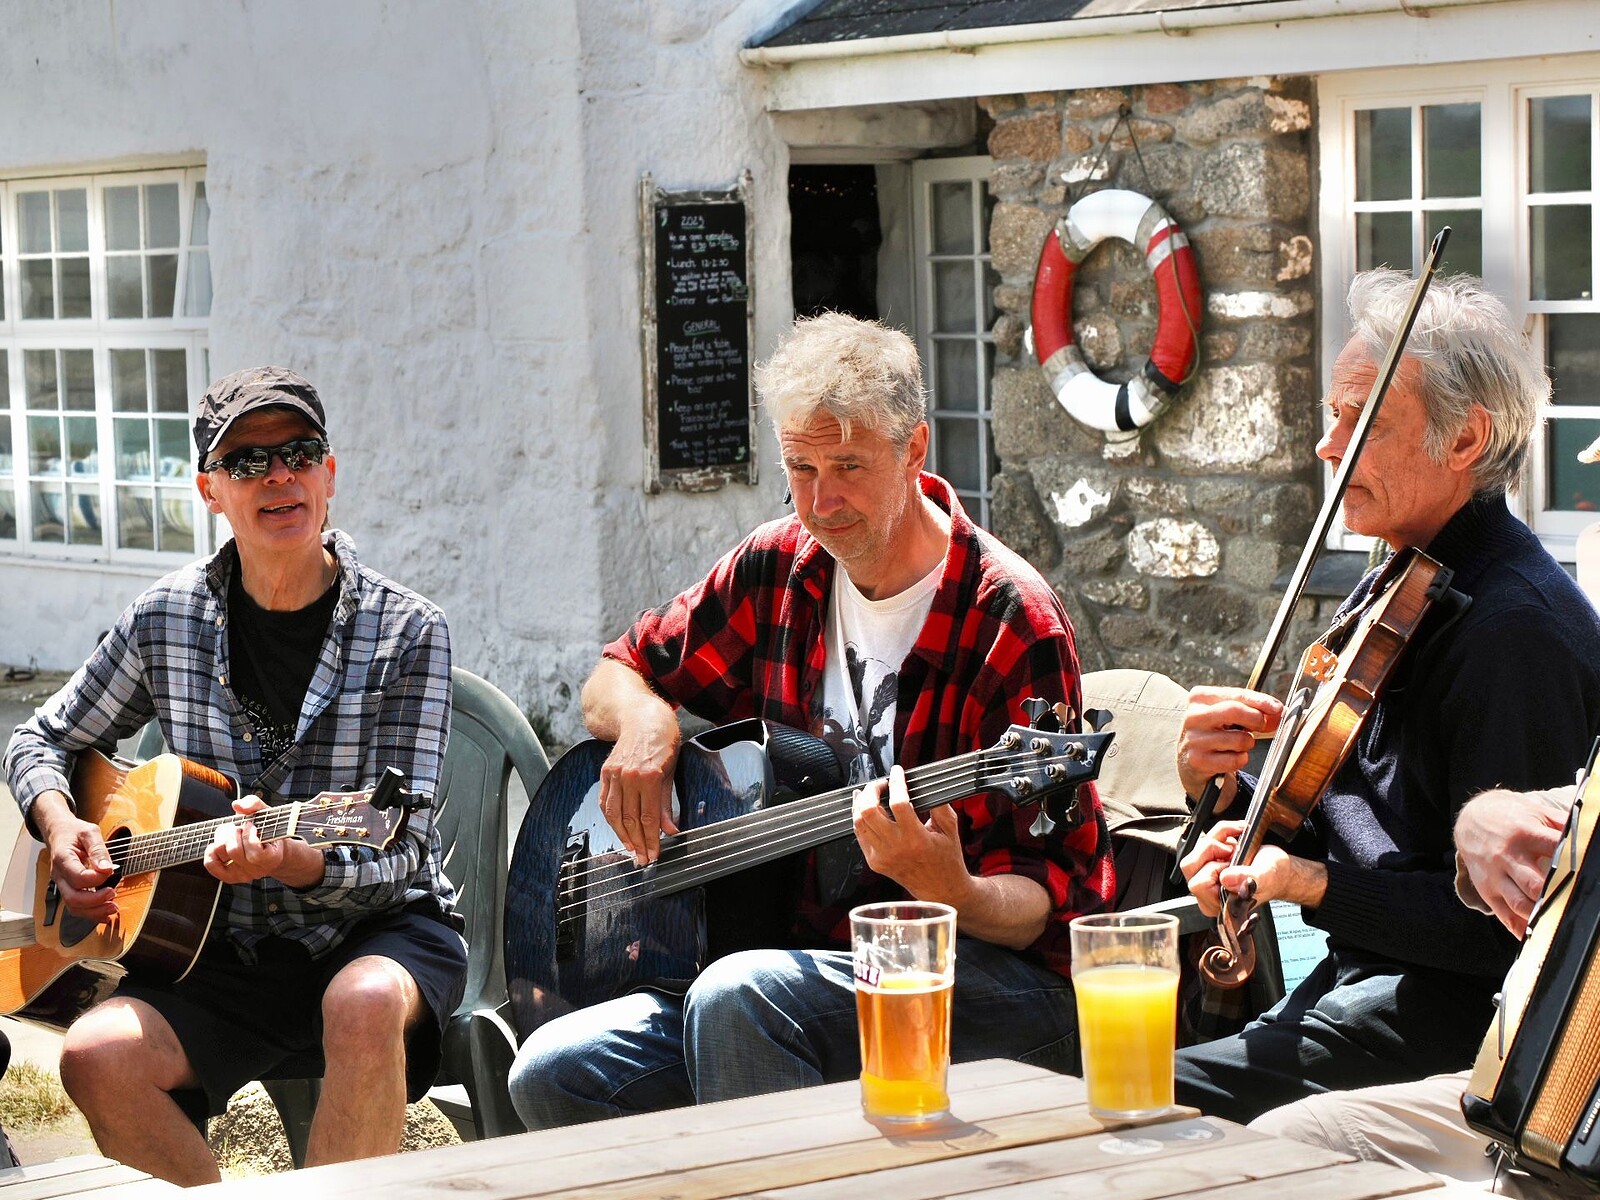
748	641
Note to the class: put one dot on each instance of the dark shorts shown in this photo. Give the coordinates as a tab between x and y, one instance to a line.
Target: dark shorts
240	1022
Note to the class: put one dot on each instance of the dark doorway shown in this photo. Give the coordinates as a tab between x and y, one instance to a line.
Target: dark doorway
833	240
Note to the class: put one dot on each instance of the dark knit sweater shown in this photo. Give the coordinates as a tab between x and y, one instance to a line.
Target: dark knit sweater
1506	696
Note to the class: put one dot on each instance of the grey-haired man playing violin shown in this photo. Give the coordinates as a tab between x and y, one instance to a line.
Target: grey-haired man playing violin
1503	693
286	664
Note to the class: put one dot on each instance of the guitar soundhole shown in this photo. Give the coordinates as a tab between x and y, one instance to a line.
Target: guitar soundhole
74	928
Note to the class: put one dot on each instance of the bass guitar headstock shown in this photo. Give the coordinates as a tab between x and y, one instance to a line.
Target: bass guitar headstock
1031	763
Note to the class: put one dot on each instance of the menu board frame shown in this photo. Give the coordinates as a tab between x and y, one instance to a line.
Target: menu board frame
733	407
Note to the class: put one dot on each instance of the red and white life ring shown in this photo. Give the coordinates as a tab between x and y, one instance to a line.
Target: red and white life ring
1115	213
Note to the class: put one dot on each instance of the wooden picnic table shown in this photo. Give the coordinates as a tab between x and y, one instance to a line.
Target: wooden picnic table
1016	1131
83	1175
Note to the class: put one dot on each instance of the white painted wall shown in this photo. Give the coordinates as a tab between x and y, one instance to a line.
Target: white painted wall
430	209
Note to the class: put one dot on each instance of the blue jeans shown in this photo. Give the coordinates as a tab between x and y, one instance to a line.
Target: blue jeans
767	1021
1356	1021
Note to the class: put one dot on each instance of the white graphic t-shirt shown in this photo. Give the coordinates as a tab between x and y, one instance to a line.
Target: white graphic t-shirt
867	642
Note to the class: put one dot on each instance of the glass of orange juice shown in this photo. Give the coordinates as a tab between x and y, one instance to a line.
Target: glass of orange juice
1125	972
905	968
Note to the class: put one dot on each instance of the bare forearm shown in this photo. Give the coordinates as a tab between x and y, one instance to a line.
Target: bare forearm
615	694
1007	910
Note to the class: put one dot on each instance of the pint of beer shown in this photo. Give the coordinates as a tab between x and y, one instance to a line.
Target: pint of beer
1125	971
905	972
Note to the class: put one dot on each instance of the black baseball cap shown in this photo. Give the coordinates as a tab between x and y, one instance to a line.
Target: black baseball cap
245	391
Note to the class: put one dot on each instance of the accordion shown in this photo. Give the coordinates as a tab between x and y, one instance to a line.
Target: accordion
1533	1086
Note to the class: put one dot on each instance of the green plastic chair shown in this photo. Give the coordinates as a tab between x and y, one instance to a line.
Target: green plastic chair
489	739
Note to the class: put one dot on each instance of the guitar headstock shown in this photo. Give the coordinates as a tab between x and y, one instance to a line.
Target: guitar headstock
1029	765
349	819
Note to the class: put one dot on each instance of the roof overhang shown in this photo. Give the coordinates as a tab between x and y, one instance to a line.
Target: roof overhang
1119	43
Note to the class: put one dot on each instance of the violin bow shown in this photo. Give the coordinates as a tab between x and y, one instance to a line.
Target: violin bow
1205	807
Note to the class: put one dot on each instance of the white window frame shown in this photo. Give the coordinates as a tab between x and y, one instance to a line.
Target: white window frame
924	174
100	334
1502	89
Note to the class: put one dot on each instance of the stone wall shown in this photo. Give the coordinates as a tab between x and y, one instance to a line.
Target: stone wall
1164	545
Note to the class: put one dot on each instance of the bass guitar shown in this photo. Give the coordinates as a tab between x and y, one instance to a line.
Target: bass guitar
584	924
157	818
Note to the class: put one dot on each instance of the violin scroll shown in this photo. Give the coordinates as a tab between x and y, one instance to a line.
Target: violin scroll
1232	961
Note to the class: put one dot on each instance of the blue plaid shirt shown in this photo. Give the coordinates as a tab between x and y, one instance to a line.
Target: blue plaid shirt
379	697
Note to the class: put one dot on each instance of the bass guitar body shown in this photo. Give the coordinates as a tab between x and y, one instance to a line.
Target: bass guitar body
584	925
162	916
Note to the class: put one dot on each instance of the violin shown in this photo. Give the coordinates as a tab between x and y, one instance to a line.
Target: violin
1340	678
1308	711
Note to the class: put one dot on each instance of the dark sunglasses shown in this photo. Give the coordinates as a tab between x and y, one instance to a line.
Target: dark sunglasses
252	462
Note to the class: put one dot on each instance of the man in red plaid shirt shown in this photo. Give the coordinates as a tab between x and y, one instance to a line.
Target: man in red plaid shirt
922	647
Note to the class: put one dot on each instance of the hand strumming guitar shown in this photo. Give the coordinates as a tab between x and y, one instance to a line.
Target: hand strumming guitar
79	860
636	779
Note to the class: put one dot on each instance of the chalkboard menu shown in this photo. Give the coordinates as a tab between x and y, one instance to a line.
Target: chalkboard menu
697	334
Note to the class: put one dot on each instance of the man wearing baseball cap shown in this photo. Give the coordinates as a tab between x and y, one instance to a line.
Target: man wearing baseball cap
290	667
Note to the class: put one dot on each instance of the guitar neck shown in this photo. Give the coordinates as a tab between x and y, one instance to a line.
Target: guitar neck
709	852
181	844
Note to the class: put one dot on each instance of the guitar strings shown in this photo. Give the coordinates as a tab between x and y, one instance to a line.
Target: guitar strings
826	804
829	806
182	843
700	866
816	814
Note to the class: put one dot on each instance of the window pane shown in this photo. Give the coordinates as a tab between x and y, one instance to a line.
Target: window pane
1561	251
955	376
172	381
956	451
163	284
197	292
1572	485
48	509
77	366
1464	252
83	504
1451	156
125	285
1572	355
173	449
1383	154
72	221
122	218
1558	144
129	392
44	446
33	216
5	383
953	310
200	219
1383	239
133	447
83	452
134	509
74	287
161	216
177	519
952	218
39	378
991	280
38	289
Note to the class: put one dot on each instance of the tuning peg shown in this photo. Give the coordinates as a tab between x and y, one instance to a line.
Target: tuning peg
1098	718
1042	825
1065	715
1040	714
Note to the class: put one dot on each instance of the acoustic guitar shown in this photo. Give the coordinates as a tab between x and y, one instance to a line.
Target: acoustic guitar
584	924
157	819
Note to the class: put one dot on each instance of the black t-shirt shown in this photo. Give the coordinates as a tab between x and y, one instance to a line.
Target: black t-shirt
274	656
